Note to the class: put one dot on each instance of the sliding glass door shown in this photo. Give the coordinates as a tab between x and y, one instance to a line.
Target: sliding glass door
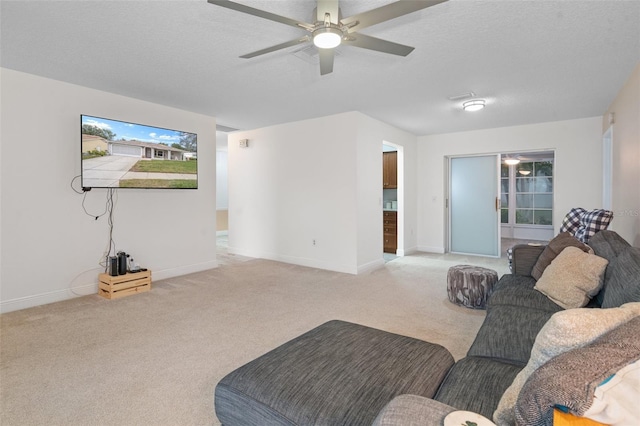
474	208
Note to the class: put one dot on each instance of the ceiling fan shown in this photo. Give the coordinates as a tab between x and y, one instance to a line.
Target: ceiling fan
330	29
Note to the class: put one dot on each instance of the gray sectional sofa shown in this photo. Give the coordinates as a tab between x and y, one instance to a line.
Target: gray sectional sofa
341	373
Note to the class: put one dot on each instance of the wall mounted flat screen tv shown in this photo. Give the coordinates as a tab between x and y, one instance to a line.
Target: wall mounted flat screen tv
118	154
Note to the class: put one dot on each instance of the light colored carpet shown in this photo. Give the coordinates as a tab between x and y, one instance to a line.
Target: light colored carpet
154	358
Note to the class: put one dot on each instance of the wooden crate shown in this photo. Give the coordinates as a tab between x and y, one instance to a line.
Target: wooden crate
123	285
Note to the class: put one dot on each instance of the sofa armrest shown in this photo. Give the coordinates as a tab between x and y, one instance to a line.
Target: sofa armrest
525	257
413	410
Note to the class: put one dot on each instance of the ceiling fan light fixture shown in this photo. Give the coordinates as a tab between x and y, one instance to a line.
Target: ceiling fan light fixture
327	37
473	105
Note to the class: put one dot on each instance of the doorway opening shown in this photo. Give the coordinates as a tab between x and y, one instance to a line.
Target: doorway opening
526	197
392	200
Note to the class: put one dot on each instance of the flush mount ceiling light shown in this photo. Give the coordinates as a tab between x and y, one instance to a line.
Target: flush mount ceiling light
474	105
511	161
327	37
524	172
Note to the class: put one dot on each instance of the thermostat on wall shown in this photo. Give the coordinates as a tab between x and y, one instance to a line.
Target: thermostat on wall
244	143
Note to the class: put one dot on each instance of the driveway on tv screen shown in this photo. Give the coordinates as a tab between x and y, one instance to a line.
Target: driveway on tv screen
109	170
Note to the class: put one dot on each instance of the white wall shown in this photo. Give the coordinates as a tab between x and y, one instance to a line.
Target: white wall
318	179
626	159
578	167
371	134
50	248
296	183
222	180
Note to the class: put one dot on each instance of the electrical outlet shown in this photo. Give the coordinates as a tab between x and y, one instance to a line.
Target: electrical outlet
313	242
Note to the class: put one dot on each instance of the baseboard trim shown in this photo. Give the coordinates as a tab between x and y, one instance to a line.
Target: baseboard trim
183	270
371	266
48	297
92	288
407	252
300	261
429	249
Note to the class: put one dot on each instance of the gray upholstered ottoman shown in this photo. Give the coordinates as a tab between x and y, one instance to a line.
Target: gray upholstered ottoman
470	286
336	374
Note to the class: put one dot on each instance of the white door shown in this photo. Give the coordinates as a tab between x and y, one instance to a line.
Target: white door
474	208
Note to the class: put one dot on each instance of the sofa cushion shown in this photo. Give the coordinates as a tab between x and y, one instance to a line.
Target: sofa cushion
566	382
573	278
553	249
517	290
623	279
476	384
337	373
524	257
565	330
508	332
608	244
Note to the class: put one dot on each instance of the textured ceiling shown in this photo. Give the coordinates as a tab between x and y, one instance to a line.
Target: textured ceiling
534	61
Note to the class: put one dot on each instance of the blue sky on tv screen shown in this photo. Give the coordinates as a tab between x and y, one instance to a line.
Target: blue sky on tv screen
132	131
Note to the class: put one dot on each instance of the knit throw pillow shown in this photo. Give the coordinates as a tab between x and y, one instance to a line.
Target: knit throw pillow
573	278
553	249
565	330
579	380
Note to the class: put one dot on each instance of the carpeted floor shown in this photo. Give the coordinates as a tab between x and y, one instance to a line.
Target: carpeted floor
154	358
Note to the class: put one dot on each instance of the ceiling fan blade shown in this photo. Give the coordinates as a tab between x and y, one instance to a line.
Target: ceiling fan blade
372	43
276	47
386	12
261	14
326	61
330	7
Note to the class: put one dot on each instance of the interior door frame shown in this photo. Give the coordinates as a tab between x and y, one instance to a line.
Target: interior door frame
447	205
400	191
607	168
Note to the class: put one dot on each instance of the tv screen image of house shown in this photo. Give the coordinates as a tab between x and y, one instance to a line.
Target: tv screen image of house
118	154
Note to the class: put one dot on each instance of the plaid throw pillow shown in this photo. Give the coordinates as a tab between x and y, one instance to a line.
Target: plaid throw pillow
592	222
571	221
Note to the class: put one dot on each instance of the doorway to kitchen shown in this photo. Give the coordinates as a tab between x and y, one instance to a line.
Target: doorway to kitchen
392	200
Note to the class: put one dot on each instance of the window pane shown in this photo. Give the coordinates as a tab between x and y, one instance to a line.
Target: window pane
504	215
542	217
543	184
524	216
524	184
543	201
504	200
524	167
544	168
504	183
504	170
524	201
